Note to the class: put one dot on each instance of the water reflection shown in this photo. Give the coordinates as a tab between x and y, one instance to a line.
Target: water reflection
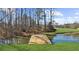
64	38
14	41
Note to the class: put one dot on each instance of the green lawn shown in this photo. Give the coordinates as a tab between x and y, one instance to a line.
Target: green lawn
63	30
56	47
66	30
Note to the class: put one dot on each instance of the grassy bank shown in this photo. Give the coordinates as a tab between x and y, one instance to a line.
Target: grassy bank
66	30
61	31
57	47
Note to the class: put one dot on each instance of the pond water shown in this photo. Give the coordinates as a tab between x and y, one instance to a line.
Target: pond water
14	41
64	38
58	38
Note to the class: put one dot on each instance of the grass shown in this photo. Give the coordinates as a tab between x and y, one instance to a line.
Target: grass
67	46
66	30
62	30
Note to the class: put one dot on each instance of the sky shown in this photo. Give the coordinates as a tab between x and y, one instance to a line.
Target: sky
60	15
66	15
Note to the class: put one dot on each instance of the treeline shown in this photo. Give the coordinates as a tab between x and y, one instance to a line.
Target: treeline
14	21
74	25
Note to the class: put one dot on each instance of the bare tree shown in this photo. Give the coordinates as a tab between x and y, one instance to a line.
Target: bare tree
44	20
51	14
38	13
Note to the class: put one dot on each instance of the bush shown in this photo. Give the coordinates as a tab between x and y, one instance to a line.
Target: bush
50	27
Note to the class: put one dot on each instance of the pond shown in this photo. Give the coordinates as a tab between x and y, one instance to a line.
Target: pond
14	40
59	38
